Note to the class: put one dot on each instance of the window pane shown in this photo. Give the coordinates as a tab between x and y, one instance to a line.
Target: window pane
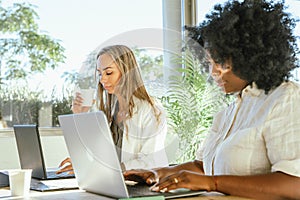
80	27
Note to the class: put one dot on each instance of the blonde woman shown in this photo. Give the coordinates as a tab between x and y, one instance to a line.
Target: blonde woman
137	121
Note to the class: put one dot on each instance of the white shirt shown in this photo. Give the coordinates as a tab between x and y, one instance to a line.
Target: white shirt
143	145
256	134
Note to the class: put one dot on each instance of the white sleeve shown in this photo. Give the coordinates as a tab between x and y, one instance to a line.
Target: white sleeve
283	135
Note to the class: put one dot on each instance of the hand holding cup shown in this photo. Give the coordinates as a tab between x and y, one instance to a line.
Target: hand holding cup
83	100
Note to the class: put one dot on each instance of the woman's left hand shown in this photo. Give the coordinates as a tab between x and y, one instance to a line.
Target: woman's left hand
184	179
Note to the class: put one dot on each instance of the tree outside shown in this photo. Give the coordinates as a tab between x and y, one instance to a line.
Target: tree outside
25	51
28	51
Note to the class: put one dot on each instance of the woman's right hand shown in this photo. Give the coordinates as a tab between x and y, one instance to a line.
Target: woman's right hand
152	176
77	104
65	166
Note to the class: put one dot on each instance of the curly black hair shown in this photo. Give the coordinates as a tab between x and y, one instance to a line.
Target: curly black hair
256	34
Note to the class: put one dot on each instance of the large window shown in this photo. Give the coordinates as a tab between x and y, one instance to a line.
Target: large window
79	27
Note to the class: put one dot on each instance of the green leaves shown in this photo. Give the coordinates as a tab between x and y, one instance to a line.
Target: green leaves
24	50
191	103
20	16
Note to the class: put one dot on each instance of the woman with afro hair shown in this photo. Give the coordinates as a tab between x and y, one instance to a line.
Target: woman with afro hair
253	147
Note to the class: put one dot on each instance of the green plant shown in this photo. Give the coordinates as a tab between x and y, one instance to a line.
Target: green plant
191	102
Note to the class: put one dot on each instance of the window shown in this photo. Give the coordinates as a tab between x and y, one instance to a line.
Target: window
80	27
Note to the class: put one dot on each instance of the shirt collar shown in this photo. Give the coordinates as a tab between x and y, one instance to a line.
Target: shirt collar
251	90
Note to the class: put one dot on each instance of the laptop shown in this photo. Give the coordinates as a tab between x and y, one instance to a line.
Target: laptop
95	160
4	181
31	157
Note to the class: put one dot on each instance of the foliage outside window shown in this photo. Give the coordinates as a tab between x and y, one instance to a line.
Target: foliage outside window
25	51
23	106
191	102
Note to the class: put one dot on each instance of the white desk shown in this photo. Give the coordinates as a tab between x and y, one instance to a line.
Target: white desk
82	195
55	195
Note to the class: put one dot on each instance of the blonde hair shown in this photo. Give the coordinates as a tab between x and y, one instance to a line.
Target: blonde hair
131	82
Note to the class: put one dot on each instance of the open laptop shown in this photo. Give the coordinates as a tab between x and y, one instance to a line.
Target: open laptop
95	161
4	181
31	157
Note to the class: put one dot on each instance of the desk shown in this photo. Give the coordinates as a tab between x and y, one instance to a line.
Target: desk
82	195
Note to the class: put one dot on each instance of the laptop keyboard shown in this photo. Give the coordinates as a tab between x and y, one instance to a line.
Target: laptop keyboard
140	190
53	175
55	184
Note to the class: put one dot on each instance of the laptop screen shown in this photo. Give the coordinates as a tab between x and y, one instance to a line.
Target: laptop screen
93	154
30	149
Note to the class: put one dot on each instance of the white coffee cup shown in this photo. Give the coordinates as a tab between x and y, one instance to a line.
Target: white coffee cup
19	181
88	96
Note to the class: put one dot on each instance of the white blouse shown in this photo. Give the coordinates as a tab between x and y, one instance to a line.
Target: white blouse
143	145
256	134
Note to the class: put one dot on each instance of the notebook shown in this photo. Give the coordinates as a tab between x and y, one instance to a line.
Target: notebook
31	157
95	161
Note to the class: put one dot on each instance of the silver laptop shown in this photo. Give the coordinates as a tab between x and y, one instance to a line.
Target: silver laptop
95	161
31	157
